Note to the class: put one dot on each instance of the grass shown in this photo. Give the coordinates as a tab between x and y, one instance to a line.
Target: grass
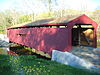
31	65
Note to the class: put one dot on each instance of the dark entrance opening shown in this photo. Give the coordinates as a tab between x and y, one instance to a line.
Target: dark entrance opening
82	35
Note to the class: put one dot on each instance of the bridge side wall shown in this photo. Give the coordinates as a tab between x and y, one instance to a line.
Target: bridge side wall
42	39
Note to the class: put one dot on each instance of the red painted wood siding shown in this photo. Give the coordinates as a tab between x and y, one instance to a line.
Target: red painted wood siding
43	39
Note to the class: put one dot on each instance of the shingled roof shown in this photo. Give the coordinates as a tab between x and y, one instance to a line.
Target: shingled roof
56	20
59	21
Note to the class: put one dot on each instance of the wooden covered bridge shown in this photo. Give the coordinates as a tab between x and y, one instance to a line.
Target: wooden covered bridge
56	33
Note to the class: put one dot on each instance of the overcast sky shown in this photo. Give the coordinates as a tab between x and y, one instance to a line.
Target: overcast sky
30	6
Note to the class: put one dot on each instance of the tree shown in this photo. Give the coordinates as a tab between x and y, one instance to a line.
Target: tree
28	5
2	23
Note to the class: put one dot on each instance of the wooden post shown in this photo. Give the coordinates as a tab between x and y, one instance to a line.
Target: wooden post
79	27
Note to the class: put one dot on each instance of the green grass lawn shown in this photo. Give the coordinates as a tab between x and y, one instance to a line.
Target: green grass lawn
31	65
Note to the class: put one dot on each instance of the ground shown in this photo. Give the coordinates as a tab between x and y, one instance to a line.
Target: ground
32	65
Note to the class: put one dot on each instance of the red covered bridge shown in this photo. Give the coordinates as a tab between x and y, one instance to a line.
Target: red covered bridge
55	33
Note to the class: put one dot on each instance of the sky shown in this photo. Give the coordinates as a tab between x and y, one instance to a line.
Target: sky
29	6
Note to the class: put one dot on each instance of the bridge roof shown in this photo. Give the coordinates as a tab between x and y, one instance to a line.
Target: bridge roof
58	21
